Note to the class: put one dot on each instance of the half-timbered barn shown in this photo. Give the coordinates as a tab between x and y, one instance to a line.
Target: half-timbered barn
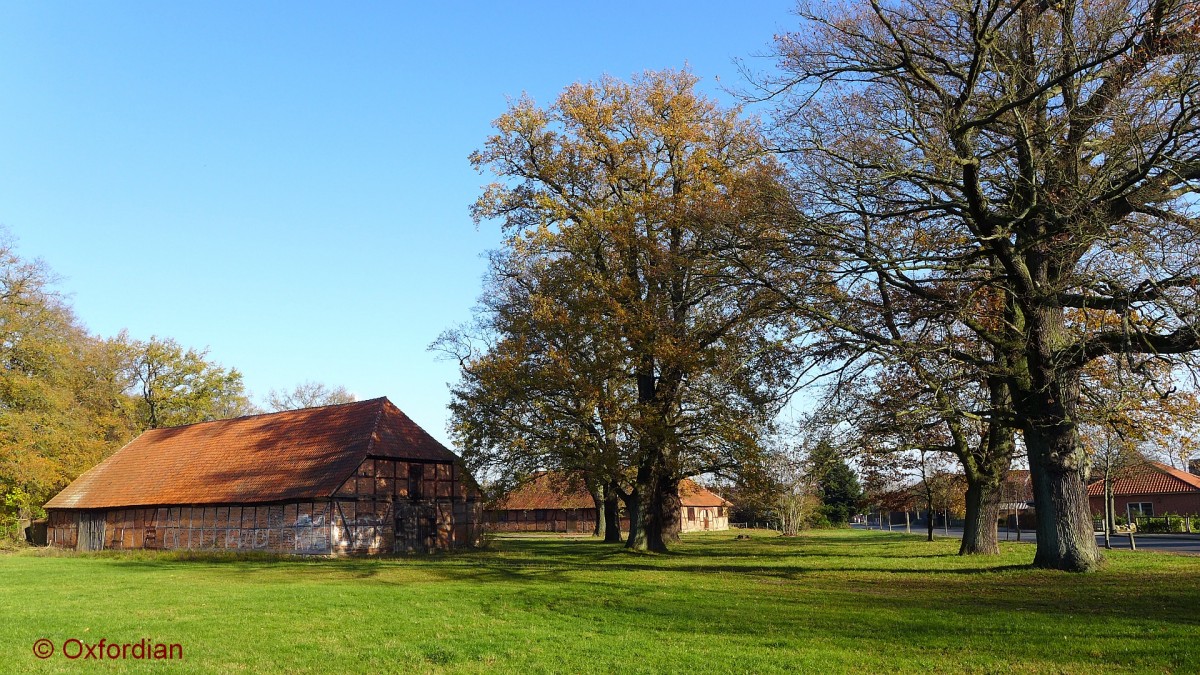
554	502
358	478
547	502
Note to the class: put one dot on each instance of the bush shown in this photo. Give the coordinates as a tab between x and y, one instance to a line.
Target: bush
819	521
16	510
835	514
1167	524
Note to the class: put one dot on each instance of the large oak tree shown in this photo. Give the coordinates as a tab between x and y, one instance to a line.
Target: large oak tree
1056	143
634	189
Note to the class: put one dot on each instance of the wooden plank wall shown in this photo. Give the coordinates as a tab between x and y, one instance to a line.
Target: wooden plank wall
301	528
542	520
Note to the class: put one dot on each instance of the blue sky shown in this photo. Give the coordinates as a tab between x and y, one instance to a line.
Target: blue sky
287	184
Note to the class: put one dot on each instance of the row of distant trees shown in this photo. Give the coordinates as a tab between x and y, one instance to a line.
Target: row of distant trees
68	398
803	488
965	228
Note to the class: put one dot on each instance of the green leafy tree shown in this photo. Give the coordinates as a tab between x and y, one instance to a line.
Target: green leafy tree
539	388
177	385
840	490
62	406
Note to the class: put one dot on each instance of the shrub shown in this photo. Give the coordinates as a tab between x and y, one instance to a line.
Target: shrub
1166	524
819	521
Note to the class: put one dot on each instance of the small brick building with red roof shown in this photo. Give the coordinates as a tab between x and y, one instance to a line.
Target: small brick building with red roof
1149	489
354	478
559	502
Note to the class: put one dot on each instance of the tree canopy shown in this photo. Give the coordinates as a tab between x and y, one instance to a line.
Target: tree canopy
617	201
1023	173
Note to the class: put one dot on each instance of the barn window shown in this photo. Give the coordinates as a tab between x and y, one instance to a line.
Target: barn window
692	513
416	472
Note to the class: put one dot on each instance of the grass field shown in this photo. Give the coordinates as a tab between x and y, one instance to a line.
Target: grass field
828	601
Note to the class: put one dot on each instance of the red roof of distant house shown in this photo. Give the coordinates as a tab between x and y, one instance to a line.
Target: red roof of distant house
296	454
1150	478
558	490
692	493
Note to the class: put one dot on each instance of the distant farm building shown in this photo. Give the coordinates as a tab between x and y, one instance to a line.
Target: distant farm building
702	509
359	478
547	502
1149	489
554	502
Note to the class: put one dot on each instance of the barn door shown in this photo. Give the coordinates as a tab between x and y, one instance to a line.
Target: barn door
91	532
416	525
426	529
404	535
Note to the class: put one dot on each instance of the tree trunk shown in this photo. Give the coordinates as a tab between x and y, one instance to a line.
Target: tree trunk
1058	469
986	469
1047	394
670	508
1110	501
598	504
647	534
980	536
1108	515
612	515
633	506
929	521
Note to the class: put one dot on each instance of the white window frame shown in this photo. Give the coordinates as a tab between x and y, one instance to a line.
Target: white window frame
1143	509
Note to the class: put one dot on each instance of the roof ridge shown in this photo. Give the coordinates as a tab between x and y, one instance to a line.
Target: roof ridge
266	414
375	424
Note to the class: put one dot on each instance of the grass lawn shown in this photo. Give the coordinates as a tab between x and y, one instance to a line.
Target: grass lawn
833	601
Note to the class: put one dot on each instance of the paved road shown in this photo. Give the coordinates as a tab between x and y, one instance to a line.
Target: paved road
1176	543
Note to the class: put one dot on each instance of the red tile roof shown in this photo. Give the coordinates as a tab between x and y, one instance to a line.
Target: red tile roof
296	454
557	490
694	494
547	490
1150	478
